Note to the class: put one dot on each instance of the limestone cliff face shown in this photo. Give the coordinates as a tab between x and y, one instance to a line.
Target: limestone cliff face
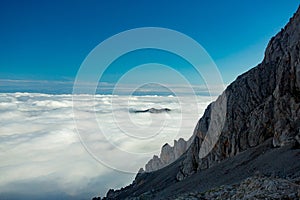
168	155
260	106
262	103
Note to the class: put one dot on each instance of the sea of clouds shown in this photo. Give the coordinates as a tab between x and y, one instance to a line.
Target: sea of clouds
45	153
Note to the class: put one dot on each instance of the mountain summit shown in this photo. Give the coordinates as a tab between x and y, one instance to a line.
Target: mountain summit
260	133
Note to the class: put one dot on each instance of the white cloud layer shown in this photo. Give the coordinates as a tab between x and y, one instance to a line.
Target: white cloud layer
41	153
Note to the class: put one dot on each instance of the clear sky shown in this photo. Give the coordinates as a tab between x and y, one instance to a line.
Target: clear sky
48	40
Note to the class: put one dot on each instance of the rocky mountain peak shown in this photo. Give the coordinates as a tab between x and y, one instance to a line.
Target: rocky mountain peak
262	103
261	126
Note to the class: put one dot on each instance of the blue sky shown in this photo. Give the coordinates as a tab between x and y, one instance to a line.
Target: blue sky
48	40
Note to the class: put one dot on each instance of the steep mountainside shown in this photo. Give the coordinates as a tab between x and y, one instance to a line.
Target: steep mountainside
262	103
261	129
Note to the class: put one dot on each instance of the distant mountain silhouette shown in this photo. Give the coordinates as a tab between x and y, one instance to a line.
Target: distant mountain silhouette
152	110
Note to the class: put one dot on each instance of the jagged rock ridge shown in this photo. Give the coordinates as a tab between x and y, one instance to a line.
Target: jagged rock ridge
262	105
168	155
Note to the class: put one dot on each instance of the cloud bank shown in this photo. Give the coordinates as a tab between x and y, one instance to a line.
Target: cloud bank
42	156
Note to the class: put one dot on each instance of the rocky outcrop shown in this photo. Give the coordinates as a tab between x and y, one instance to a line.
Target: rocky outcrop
168	155
262	103
180	147
256	187
254	124
154	164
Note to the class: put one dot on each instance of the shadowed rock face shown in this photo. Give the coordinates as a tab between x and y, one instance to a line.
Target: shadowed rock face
262	105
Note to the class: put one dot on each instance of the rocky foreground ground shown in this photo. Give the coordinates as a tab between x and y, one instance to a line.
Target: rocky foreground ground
256	187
